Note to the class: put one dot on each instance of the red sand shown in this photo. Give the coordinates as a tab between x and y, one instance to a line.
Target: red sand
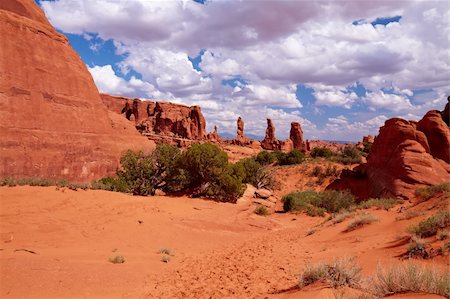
220	250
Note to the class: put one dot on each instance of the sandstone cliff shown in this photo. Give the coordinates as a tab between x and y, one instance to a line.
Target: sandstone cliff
52	120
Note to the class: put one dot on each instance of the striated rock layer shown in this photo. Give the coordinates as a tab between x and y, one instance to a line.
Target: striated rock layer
52	121
405	155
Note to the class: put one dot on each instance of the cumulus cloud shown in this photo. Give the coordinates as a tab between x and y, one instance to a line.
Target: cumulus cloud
273	46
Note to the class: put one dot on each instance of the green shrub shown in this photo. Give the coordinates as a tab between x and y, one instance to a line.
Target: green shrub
265	158
328	201
291	158
262	211
429	227
10	182
348	155
204	168
298	201
380	203
338	273
428	192
137	170
248	169
334	201
321	151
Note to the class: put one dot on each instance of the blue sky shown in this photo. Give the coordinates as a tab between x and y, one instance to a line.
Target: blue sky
341	70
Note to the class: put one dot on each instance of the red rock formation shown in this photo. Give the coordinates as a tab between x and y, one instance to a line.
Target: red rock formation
214	136
270	142
369	139
179	120
446	112
132	108
437	133
296	135
52	119
161	118
240	135
404	156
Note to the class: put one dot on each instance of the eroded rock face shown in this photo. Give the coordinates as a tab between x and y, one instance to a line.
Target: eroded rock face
270	142
437	134
405	155
296	135
168	120
52	119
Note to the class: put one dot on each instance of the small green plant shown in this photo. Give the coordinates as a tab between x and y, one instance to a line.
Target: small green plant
430	226
317	170
443	234
363	219
165	258
337	273
379	203
118	259
417	249
409	277
262	211
425	193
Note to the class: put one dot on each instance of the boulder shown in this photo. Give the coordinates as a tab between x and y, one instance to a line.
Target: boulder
53	121
264	202
263	193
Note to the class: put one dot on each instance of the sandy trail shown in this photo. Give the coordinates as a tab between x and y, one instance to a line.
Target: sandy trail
219	250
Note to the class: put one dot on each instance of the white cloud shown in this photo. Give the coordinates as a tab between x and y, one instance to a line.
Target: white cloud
273	46
392	102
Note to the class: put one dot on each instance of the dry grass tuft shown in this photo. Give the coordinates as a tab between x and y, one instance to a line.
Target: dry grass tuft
363	219
409	277
338	273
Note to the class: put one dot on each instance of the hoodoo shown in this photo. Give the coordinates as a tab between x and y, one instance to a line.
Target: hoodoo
53	123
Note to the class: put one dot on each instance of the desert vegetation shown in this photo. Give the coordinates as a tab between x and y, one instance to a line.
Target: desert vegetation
317	203
425	193
410	277
386	281
337	273
360	221
280	158
430	226
348	155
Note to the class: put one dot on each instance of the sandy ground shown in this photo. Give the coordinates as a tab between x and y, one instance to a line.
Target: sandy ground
56	244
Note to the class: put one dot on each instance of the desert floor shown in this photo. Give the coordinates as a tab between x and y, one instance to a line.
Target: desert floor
56	243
